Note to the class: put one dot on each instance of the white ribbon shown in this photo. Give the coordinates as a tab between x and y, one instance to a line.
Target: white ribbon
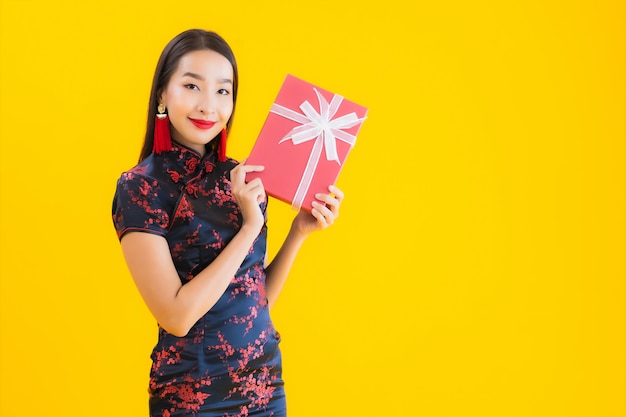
320	127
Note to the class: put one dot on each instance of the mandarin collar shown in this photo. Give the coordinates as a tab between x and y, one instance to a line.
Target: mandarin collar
183	163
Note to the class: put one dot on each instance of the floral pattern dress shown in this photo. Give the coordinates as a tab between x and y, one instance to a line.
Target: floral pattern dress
229	364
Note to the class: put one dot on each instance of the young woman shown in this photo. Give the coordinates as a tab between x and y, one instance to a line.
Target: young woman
193	233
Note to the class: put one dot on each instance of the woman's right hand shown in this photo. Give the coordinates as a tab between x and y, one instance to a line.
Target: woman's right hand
248	195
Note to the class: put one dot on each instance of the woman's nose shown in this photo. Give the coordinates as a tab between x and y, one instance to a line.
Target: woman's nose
207	105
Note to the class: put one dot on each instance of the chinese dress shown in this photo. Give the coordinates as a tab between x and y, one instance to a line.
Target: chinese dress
229	364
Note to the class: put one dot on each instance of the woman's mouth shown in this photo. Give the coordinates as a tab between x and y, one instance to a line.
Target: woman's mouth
202	124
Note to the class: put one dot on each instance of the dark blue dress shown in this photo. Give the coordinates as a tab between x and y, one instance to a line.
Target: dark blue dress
229	364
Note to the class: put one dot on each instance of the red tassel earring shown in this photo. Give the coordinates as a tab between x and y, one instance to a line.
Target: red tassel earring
221	147
162	138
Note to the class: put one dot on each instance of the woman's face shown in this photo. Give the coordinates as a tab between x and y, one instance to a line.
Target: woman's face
199	98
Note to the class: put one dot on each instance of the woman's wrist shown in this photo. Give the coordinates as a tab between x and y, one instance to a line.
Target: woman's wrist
296	234
250	229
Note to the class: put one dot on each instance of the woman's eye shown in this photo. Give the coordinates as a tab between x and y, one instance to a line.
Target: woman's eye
191	86
223	91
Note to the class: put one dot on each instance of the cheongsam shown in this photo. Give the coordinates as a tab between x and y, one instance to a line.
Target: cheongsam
229	364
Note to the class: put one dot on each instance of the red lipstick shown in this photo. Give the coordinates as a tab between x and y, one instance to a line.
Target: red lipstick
202	124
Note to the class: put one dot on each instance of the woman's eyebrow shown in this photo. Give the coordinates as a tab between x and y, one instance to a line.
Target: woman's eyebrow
193	75
201	78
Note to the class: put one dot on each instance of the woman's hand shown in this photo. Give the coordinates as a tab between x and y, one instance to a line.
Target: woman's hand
249	195
325	212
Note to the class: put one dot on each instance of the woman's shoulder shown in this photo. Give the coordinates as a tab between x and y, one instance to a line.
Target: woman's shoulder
148	169
145	182
230	163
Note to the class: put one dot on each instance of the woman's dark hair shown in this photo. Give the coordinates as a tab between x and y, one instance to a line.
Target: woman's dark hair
188	41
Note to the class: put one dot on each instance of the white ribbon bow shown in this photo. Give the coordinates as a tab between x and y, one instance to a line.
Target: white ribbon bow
321	127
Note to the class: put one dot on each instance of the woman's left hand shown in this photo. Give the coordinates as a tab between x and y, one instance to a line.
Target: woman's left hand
325	212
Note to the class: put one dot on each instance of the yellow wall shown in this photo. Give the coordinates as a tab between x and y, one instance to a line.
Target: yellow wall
476	270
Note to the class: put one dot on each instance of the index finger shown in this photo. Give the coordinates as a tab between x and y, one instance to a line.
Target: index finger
249	168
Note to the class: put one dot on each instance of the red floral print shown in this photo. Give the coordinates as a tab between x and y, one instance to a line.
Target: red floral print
229	364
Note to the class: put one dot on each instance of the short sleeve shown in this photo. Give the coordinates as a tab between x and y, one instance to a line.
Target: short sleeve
140	204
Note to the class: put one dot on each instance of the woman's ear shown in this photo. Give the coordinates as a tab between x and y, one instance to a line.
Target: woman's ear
161	97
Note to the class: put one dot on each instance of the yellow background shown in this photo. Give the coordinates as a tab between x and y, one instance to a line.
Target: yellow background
476	270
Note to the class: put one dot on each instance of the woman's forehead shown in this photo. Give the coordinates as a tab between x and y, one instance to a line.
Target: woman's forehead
205	64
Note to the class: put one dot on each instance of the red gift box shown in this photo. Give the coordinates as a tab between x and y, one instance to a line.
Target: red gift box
304	142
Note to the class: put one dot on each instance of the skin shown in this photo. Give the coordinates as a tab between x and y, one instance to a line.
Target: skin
201	89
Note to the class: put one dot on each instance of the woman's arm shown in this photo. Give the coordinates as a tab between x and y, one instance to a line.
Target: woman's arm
178	307
323	215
